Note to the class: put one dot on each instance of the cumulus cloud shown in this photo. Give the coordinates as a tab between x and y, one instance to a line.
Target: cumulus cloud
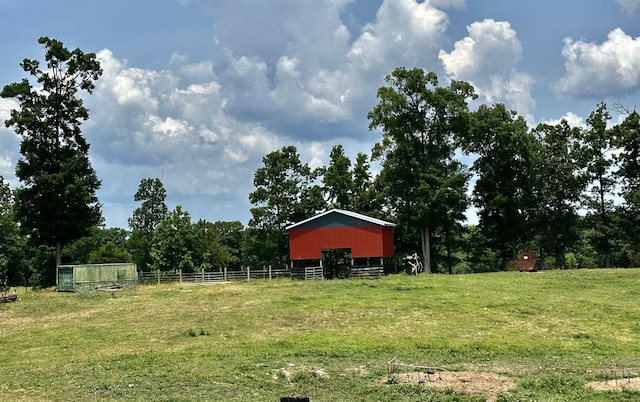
145	123
487	58
299	67
630	7
573	119
286	72
599	70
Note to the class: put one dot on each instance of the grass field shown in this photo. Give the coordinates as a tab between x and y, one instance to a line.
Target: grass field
551	332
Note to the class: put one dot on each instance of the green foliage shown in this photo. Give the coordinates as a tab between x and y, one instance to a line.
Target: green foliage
174	243
57	202
146	218
209	251
12	244
285	192
153	209
337	179
231	235
109	253
503	192
421	122
558	186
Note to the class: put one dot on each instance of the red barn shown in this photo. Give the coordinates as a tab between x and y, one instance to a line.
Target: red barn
360	236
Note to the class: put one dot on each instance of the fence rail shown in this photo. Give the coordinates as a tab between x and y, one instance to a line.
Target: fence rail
157	277
224	275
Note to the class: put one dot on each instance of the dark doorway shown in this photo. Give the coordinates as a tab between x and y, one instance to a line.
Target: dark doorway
336	263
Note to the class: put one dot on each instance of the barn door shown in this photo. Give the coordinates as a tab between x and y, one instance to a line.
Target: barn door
336	263
65	279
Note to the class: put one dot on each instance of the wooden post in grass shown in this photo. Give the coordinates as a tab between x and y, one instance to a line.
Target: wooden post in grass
180	275
158	275
269	271
248	273
224	273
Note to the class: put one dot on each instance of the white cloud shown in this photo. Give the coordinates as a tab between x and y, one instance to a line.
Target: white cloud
630	7
600	70
573	119
487	58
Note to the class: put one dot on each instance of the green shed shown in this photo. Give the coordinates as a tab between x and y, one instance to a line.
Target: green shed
88	277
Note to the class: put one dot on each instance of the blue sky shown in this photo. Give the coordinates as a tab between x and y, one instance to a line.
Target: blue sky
198	91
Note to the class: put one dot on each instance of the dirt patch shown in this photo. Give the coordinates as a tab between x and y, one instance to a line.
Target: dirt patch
632	384
488	385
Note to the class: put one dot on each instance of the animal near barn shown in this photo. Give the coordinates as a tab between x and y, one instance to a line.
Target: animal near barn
339	244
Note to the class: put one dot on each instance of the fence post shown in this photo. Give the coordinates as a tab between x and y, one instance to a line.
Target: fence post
248	273
270	271
180	275
224	274
158	275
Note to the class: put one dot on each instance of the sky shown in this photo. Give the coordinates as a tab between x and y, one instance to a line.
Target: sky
197	92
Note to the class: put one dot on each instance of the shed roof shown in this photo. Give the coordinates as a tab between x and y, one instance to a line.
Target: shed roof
374	221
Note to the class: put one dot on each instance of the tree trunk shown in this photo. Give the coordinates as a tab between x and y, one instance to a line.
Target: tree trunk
425	234
58	254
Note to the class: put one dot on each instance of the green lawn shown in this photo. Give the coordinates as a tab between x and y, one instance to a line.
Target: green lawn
552	332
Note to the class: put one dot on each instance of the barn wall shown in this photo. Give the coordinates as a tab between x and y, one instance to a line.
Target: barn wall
364	241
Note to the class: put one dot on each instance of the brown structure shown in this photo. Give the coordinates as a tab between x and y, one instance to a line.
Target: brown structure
528	262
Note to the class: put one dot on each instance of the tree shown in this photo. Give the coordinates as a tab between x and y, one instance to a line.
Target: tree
208	250
337	179
230	235
627	137
109	252
153	210
285	193
420	122
57	202
503	193
146	218
365	200
174	243
559	186
599	164
12	245
79	251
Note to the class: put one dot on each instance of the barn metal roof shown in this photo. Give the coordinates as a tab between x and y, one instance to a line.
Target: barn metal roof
350	214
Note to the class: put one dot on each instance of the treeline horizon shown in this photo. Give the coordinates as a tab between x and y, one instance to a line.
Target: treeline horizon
550	188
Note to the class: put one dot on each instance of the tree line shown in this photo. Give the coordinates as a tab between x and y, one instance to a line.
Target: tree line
571	194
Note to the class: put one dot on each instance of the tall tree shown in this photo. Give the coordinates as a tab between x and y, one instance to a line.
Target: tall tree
503	193
419	122
559	186
627	135
599	165
173	243
146	218
285	193
230	235
208	250
364	198
57	202
12	245
337	179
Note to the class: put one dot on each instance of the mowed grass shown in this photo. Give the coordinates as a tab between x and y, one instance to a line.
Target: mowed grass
552	332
